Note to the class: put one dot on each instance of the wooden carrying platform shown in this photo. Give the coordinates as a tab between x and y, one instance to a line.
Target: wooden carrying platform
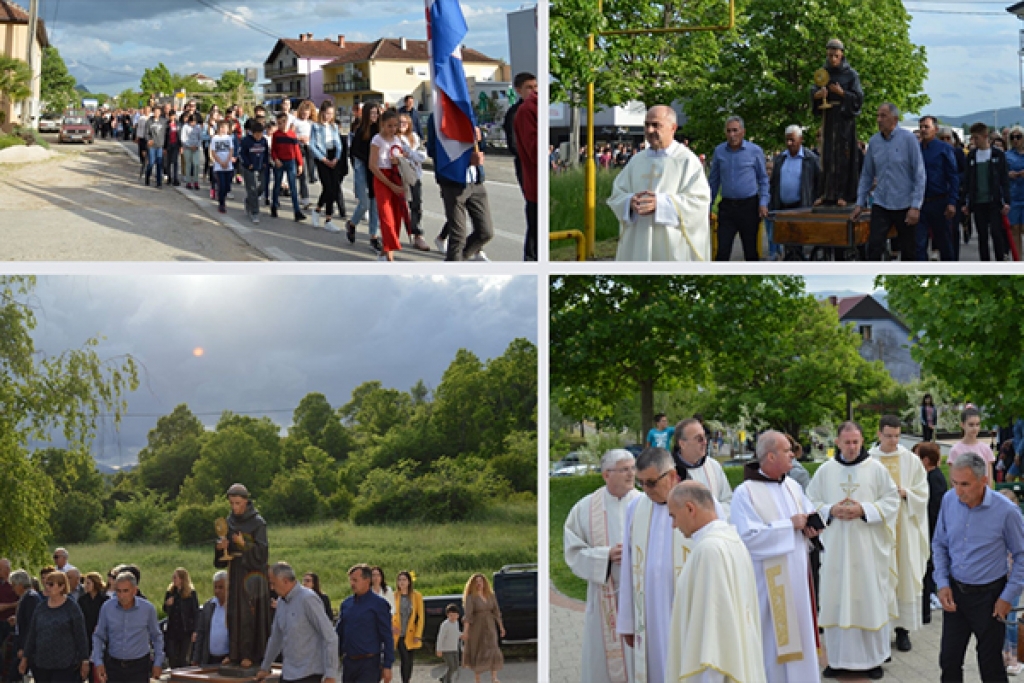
213	674
821	227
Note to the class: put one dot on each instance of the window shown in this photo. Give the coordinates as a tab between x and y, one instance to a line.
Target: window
295	61
865	332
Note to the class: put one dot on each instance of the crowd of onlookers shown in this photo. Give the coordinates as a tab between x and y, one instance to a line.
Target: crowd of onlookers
66	623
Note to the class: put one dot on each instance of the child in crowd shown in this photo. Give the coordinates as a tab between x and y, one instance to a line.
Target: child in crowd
222	149
448	642
253	158
287	161
970	422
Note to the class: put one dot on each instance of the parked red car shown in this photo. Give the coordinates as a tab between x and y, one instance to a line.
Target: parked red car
75	129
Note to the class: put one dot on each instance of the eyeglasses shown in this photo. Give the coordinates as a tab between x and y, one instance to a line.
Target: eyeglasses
1016	136
651	483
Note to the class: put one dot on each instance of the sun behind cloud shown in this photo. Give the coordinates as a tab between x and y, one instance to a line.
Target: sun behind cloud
198	352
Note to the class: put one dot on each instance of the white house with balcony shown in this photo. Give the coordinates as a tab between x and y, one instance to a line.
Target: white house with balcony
295	67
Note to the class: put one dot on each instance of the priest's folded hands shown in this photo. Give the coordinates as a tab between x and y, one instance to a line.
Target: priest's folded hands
644	203
847	510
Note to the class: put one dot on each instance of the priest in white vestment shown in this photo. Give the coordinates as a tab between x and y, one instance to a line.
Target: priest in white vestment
653	555
770	510
690	443
593	551
859	502
913	545
662	198
716	626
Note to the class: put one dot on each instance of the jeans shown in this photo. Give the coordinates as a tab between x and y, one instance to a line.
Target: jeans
363	196
253	190
989	221
224	179
289	168
173	156
191	170
933	219
156	158
414	195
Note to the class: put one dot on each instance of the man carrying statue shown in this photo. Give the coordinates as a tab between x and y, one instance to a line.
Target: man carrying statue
837	98
244	550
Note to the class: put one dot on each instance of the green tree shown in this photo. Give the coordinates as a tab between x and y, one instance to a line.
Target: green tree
57	86
967	336
63	393
157	80
172	448
374	410
15	77
764	69
461	410
228	456
316	422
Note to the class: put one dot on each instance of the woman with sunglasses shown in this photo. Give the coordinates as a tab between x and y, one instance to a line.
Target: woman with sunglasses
57	646
1015	165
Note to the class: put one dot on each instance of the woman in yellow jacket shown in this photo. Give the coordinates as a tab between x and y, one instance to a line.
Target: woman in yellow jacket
407	622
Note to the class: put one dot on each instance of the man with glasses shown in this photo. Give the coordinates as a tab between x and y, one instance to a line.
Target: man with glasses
60	560
654	554
593	551
859	502
691	455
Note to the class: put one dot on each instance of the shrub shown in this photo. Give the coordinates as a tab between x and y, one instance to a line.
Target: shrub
10	141
143	519
451	491
291	498
75	516
194	524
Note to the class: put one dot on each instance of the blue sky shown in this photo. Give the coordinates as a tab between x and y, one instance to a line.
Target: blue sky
108	43
862	284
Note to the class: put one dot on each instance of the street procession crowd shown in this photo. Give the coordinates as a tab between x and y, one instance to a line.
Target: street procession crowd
68	624
284	153
925	190
693	581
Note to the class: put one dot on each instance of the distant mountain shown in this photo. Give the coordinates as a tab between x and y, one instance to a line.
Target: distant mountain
1003	117
82	89
107	469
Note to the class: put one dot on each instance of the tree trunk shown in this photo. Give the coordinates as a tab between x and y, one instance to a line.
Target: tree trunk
646	404
574	137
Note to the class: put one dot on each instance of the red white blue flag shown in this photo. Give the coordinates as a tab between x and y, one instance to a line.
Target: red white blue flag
454	121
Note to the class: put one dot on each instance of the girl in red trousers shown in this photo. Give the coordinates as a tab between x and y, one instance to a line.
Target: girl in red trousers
385	149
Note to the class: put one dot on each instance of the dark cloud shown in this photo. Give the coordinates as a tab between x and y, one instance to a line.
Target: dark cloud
270	340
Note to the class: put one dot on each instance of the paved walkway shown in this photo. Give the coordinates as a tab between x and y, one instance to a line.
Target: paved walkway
920	665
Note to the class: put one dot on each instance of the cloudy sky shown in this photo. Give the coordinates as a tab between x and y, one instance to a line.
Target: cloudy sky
108	43
267	341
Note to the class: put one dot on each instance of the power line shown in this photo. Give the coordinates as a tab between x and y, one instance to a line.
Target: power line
241	20
913	10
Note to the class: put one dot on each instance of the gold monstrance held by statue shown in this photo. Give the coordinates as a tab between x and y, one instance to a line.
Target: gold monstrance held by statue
221	526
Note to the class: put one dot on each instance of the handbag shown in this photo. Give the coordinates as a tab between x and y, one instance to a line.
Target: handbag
406	169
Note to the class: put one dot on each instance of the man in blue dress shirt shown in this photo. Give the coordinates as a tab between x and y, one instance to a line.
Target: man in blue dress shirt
127	645
365	641
977	529
942	186
738	169
894	160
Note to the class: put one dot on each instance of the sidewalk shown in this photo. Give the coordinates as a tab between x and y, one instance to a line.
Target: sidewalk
920	665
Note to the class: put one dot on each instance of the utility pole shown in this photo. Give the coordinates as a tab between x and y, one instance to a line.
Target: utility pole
36	69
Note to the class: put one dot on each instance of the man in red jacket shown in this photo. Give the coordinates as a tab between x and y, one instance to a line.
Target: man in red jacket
526	147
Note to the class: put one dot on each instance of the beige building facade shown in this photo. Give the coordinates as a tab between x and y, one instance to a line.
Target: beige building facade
14	40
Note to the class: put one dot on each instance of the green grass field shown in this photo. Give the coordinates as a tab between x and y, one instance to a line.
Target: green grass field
567	204
443	556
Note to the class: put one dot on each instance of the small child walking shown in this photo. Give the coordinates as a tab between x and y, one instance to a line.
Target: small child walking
448	642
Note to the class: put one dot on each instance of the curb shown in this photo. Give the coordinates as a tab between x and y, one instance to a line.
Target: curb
231	224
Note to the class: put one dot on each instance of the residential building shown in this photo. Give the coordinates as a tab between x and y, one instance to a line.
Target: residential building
204	80
294	67
14	42
388	69
883	336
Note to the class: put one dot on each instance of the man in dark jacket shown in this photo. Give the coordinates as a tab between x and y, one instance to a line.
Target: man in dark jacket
796	175
28	600
211	646
988	192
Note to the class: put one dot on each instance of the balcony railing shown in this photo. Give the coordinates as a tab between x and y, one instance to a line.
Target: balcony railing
274	71
348	86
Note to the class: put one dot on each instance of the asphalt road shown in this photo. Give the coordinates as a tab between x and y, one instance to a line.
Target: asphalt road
283	239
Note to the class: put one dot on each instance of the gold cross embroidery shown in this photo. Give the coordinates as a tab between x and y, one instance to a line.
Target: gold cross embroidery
654	174
849	487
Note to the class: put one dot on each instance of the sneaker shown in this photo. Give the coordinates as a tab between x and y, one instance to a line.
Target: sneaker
350	232
441	244
314	216
299	217
480	256
256	219
1013	669
376	245
329	226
